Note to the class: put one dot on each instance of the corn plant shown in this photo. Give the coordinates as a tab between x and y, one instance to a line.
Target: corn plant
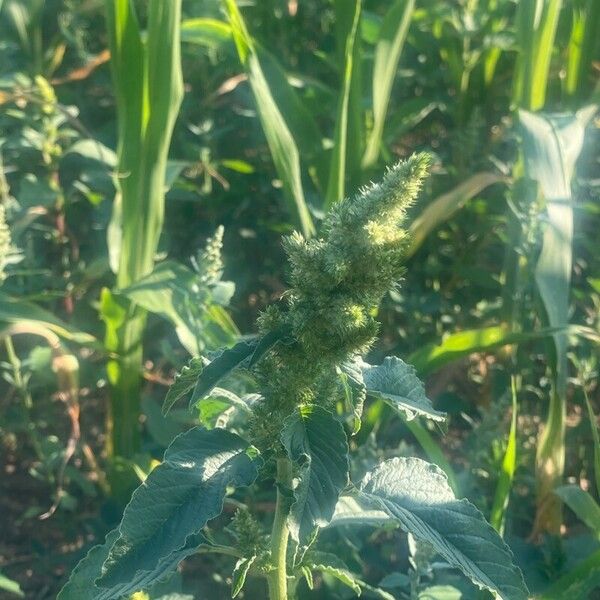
583	42
306	361
148	90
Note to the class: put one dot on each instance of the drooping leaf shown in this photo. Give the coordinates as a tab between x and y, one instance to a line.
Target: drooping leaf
334	566
417	495
354	388
184	383
431	357
221	366
582	504
239	574
172	506
244	354
316	443
397	383
266	342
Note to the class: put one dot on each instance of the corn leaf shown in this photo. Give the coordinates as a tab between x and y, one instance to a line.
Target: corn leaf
509	464
552	144
443	207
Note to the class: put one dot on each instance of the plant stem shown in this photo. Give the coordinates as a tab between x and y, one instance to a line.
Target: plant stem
280	533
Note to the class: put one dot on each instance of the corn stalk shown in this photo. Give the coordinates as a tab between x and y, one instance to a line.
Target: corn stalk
148	85
537	21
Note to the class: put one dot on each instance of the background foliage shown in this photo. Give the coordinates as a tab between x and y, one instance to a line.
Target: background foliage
288	106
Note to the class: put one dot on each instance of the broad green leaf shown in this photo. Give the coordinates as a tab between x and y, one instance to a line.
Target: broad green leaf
336	186
184	383
316	443
173	505
239	574
94	150
80	585
334	566
509	465
10	586
222	365
443	207
397	383
440	592
388	50
281	143
176	293
244	354
434	451
266	342
582	504
354	511
417	495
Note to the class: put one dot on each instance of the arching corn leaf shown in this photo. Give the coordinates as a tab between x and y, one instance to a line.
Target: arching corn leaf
316	443
416	494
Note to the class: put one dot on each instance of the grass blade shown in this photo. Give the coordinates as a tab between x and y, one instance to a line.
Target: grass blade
509	464
336	186
284	150
388	51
